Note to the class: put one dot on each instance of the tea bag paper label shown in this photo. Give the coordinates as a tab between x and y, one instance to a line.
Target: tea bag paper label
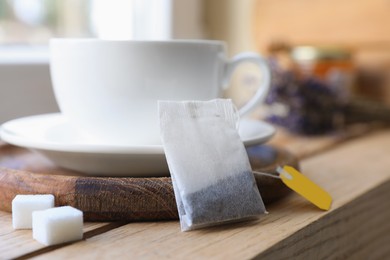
305	187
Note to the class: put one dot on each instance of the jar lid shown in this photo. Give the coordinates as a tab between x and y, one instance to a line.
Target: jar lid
312	53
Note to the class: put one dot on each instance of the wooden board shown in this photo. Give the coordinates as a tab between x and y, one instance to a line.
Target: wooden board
355	173
109	199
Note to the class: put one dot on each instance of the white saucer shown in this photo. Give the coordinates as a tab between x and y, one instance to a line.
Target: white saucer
54	137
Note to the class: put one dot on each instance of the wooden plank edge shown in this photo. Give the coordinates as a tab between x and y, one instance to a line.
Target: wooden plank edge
334	235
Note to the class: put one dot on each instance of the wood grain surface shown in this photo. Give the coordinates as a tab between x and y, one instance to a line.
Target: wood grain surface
355	173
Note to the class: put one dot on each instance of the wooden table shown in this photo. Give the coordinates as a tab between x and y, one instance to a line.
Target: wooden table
355	172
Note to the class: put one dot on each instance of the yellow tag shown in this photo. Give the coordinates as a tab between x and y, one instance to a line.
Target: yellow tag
305	187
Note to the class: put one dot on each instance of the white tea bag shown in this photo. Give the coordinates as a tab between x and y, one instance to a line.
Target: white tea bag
212	178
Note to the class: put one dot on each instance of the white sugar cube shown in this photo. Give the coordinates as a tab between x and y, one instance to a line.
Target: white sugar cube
57	225
24	205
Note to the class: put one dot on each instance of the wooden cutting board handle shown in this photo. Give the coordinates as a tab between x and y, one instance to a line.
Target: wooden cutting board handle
100	198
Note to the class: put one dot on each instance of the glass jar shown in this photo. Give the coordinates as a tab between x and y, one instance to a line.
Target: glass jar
332	64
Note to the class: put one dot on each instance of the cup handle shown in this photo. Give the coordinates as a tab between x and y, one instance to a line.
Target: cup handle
264	87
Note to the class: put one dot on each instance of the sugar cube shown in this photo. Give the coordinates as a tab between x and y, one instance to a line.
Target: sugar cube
24	205
57	225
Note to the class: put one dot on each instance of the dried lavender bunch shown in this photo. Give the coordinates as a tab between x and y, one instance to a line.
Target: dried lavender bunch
311	106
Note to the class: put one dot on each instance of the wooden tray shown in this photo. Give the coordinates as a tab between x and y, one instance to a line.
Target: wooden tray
109	198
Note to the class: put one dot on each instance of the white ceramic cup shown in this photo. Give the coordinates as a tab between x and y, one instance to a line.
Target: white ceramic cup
110	89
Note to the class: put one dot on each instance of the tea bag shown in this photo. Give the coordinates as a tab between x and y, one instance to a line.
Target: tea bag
212	178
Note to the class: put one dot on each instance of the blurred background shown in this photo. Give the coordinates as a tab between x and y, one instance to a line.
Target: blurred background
340	46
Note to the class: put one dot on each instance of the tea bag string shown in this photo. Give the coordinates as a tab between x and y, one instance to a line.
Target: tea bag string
279	171
267	174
